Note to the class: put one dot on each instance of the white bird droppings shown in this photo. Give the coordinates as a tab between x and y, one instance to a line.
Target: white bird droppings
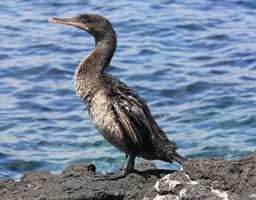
221	194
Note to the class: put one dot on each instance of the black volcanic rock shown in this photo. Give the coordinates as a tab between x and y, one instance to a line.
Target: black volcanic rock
206	179
79	183
210	179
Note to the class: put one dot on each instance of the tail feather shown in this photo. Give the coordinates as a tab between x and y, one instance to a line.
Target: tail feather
180	159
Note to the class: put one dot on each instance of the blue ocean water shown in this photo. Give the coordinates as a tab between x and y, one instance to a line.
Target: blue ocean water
194	62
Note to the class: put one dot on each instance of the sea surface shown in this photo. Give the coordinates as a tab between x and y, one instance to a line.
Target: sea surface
194	62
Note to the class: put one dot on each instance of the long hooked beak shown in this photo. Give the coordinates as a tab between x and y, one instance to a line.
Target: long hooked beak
70	21
62	21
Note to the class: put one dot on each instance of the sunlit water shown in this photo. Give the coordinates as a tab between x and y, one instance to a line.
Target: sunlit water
194	63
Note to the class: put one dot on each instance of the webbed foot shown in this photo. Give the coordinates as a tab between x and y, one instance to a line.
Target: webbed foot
128	167
111	177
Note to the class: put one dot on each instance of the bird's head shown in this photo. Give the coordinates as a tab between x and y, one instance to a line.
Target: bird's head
96	25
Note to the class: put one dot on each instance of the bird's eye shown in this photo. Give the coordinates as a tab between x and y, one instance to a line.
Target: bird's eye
85	18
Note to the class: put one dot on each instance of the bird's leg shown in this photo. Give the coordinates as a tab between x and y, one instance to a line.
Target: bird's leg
128	167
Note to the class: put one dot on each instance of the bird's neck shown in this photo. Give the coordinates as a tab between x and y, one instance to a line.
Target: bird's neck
99	58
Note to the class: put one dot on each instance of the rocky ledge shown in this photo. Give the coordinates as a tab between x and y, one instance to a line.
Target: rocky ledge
206	179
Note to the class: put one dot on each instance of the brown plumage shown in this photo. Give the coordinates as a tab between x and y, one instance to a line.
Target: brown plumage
118	112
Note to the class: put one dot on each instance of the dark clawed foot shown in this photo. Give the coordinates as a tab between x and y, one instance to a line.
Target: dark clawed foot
128	167
111	177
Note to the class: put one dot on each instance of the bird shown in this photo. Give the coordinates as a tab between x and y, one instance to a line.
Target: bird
118	112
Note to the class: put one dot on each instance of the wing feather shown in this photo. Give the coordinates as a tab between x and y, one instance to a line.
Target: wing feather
135	123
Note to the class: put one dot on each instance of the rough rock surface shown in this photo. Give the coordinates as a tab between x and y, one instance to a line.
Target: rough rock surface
207	179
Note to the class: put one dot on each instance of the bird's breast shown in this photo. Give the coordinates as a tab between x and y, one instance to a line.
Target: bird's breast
104	118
